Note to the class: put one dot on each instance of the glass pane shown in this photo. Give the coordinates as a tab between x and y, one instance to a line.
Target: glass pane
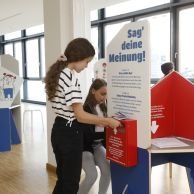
35	30
132	5
22	92
93	15
160	42
35	91
111	30
94	41
13	35
42	56
18	56
9	49
32	58
186	42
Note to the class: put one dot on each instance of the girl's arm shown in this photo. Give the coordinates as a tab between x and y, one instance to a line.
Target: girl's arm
84	117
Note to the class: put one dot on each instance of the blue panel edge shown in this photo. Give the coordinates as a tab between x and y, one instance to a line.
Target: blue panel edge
126	180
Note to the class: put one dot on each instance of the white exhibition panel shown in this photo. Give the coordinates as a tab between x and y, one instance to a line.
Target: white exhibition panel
100	69
10	82
9	87
128	70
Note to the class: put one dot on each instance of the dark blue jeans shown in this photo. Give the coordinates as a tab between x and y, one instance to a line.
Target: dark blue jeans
67	147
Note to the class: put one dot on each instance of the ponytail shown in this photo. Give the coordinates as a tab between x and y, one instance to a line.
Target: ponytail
52	78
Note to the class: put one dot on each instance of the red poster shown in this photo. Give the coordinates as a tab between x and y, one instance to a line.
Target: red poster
121	143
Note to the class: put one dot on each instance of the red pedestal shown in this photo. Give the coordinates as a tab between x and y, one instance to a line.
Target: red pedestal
121	143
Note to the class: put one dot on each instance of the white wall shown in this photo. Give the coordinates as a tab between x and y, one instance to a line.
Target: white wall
20	14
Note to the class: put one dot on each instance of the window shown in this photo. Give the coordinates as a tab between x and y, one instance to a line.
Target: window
111	30
159	42
132	5
35	30
93	15
35	65
12	35
186	42
28	47
42	57
18	56
171	31
94	40
35	91
9	49
32	58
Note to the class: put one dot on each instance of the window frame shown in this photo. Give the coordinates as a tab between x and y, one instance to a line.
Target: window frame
23	39
171	7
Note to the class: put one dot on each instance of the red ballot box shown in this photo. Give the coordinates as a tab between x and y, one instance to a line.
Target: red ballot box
121	143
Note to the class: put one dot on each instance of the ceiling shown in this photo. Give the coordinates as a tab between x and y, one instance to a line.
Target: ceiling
20	14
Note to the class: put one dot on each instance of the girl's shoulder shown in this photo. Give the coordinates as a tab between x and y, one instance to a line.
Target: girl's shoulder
68	76
67	73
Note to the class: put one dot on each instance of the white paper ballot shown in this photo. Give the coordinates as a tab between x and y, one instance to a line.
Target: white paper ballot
167	142
120	116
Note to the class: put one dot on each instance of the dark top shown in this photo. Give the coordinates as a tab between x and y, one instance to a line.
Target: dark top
90	136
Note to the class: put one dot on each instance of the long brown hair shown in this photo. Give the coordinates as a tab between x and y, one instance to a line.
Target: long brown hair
77	50
90	99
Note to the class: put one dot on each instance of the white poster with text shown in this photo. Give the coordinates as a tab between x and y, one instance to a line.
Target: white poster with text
128	70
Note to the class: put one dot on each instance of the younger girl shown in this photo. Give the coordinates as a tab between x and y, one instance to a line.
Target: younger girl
94	141
63	90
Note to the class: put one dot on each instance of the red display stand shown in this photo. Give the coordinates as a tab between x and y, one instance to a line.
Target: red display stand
173	107
172	115
121	143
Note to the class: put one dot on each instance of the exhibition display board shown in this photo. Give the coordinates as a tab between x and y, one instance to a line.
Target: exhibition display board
172	103
100	69
10	110
172	107
164	111
128	70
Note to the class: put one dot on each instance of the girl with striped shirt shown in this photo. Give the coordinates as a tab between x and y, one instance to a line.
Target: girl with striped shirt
63	91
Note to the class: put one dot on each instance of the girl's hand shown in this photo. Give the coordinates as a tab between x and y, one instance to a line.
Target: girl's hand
113	123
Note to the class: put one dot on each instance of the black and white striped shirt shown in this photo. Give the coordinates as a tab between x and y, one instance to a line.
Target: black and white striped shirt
68	92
